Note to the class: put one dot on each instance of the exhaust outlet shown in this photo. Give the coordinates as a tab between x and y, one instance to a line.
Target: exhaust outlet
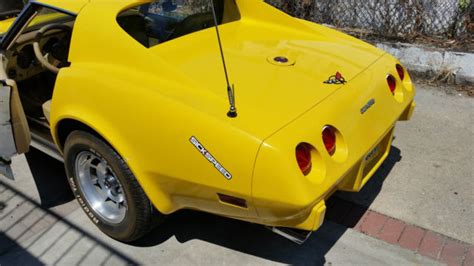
294	235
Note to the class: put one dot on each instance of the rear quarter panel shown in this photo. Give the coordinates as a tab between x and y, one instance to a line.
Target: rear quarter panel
152	134
119	89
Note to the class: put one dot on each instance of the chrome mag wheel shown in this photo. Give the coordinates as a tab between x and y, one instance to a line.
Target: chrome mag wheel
101	187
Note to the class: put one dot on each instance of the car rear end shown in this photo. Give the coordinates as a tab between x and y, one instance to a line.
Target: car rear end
336	145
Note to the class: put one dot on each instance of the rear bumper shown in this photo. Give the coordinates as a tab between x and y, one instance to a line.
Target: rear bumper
353	181
357	177
283	196
408	113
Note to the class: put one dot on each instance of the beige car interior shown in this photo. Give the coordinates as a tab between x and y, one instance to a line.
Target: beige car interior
47	110
30	69
21	131
22	74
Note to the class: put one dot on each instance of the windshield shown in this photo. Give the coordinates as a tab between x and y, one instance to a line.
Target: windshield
10	8
163	20
45	16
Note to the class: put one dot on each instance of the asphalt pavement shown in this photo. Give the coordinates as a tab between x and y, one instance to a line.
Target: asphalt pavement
427	181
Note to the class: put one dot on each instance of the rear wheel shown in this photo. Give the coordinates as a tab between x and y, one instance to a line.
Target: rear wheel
106	189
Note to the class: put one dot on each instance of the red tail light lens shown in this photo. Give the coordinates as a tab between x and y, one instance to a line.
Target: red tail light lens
303	157
392	83
401	71
329	139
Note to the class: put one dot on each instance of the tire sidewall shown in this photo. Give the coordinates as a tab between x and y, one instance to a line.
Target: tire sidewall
78	142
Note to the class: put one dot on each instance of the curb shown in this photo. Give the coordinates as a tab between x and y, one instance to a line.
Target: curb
433	61
396	232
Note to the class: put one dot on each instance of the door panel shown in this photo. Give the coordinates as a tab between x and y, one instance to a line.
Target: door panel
7	141
15	136
21	130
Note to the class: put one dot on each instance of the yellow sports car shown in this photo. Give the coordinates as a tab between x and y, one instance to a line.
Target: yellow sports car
225	106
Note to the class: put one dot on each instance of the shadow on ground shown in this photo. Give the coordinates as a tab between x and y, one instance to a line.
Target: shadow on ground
50	179
32	234
36	231
257	241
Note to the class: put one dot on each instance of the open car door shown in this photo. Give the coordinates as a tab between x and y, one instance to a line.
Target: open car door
15	134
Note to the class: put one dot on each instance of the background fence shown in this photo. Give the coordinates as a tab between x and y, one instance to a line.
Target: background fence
388	18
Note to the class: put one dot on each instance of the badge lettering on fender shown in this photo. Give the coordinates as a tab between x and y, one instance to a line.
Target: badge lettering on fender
210	158
367	106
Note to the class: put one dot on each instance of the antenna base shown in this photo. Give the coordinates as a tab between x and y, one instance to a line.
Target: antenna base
232	113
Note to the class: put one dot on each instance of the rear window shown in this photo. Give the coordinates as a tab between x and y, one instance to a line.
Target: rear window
164	20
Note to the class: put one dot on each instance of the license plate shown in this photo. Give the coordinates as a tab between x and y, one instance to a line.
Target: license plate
373	154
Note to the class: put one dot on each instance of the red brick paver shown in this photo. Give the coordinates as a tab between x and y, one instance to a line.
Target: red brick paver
373	223
453	252
396	232
411	237
469	260
392	231
431	245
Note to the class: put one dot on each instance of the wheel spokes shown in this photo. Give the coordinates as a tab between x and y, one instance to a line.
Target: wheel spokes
101	170
101	187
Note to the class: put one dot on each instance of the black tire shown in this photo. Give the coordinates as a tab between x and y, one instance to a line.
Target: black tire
140	216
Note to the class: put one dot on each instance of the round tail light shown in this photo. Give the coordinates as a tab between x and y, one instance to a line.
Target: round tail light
329	139
303	157
392	83
401	71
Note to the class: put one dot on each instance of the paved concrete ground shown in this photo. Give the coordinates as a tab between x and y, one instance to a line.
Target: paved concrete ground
34	236
427	181
430	173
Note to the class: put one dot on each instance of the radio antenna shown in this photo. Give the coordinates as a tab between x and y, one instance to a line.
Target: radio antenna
230	89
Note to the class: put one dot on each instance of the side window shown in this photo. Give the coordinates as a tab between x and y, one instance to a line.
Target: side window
163	20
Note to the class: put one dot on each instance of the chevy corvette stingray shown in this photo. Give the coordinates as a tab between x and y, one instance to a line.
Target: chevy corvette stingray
230	107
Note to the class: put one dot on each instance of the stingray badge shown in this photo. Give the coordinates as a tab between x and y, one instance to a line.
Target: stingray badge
336	79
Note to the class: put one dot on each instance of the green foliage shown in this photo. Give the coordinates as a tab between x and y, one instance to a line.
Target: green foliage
464	4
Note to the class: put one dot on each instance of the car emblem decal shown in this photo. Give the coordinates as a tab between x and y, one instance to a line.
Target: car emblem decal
367	106
336	79
210	158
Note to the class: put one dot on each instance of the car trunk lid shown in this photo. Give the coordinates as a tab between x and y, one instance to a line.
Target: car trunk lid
269	94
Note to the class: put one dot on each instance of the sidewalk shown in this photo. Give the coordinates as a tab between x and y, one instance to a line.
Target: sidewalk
33	236
433	62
